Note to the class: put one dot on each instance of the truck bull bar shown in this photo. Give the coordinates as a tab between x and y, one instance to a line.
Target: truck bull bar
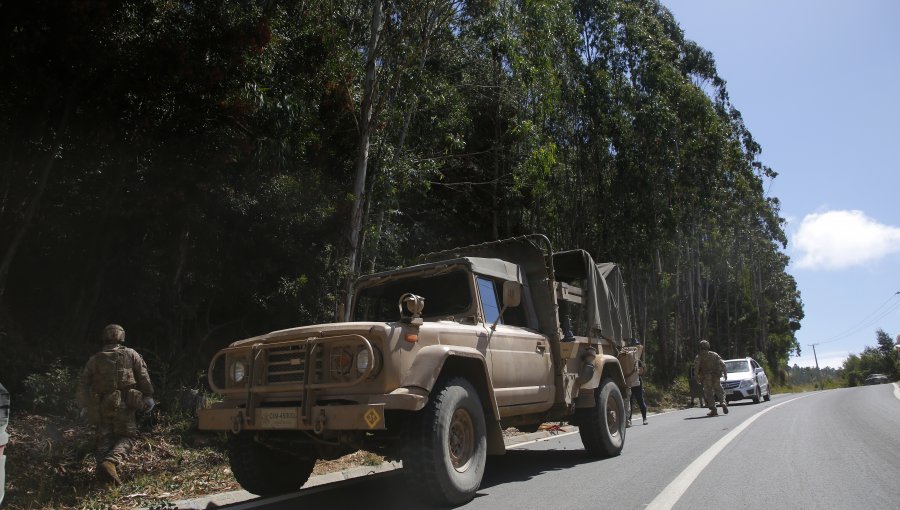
297	368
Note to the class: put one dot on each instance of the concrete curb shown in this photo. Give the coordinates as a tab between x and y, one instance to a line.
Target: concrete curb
232	497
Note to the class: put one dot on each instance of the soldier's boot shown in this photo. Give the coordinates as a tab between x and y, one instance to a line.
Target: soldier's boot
712	412
107	471
627	423
645	421
725	407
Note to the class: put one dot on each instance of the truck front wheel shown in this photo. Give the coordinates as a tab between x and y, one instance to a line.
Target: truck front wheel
447	447
602	427
263	471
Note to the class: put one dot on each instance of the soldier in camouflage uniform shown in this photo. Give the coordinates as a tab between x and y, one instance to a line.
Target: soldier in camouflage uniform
113	386
710	368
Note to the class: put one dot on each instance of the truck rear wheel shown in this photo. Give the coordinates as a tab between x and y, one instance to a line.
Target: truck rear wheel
447	448
263	471
602	427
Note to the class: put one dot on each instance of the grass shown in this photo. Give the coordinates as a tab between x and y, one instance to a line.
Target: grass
50	465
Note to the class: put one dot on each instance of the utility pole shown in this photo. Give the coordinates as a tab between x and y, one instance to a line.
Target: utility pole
818	374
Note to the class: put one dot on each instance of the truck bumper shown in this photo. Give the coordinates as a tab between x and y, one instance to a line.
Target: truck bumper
337	417
369	416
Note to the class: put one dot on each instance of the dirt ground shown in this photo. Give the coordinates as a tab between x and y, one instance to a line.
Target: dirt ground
50	465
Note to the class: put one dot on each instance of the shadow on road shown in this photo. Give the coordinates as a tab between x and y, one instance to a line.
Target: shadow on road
396	490
522	465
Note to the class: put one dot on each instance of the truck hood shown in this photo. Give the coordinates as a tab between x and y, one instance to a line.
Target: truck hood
357	328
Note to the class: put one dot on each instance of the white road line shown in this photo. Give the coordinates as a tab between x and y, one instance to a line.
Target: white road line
896	390
673	492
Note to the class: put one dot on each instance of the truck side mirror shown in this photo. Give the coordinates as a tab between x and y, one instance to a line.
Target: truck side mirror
512	294
512	297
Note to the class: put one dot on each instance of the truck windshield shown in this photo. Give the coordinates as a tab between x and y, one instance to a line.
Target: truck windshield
446	295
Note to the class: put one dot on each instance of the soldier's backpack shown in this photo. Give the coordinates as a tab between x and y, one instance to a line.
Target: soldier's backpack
628	361
113	381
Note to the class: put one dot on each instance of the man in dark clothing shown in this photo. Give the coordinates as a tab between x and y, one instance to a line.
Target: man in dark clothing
636	382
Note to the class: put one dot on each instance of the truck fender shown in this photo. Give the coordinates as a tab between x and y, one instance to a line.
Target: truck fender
432	361
606	366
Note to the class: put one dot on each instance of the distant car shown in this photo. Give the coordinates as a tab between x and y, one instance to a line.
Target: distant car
746	379
4	437
877	379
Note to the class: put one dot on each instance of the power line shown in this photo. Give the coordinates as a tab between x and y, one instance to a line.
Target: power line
868	321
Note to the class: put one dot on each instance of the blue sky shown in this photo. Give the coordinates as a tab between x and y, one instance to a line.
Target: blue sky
818	84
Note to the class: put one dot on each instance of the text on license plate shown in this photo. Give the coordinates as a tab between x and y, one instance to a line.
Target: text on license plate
278	418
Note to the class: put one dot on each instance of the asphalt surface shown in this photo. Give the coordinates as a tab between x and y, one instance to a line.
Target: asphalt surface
829	449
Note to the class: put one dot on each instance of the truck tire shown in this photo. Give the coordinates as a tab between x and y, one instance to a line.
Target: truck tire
602	427
757	395
447	447
263	471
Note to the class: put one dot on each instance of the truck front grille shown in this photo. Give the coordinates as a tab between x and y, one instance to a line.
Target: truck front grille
287	364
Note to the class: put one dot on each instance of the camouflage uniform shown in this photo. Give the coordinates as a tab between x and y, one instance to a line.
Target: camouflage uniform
115	384
710	368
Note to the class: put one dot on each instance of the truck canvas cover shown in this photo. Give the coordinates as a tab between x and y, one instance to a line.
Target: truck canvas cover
605	306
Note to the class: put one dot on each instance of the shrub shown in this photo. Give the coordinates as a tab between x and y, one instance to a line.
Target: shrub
52	392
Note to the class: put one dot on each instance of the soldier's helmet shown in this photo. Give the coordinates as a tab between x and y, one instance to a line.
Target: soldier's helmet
113	334
704	345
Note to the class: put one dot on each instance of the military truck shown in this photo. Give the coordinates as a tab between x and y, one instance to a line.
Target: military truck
436	361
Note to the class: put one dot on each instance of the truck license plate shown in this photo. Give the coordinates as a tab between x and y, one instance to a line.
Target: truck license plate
278	418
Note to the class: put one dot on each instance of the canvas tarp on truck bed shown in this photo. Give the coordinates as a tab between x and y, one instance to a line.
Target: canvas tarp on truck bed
606	315
605	307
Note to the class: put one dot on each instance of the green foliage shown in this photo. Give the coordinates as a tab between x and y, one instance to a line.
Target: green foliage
52	392
187	171
807	378
880	360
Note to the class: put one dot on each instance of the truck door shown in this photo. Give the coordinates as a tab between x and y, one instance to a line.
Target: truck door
521	366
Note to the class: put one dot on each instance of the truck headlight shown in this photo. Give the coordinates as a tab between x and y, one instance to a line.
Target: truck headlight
746	382
238	371
366	359
363	360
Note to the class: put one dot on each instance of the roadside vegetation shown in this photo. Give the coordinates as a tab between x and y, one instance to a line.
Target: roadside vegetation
50	461
881	359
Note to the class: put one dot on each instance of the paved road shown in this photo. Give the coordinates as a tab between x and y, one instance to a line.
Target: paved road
831	449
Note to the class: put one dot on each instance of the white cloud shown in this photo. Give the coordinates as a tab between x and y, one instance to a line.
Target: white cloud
841	239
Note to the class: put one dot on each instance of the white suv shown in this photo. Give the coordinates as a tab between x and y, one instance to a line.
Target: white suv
746	379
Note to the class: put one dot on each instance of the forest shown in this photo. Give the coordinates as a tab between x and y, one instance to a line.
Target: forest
201	171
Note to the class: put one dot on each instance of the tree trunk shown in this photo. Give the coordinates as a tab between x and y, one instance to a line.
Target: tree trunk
362	153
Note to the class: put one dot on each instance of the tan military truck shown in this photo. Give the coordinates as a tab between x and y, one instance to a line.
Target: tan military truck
437	360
